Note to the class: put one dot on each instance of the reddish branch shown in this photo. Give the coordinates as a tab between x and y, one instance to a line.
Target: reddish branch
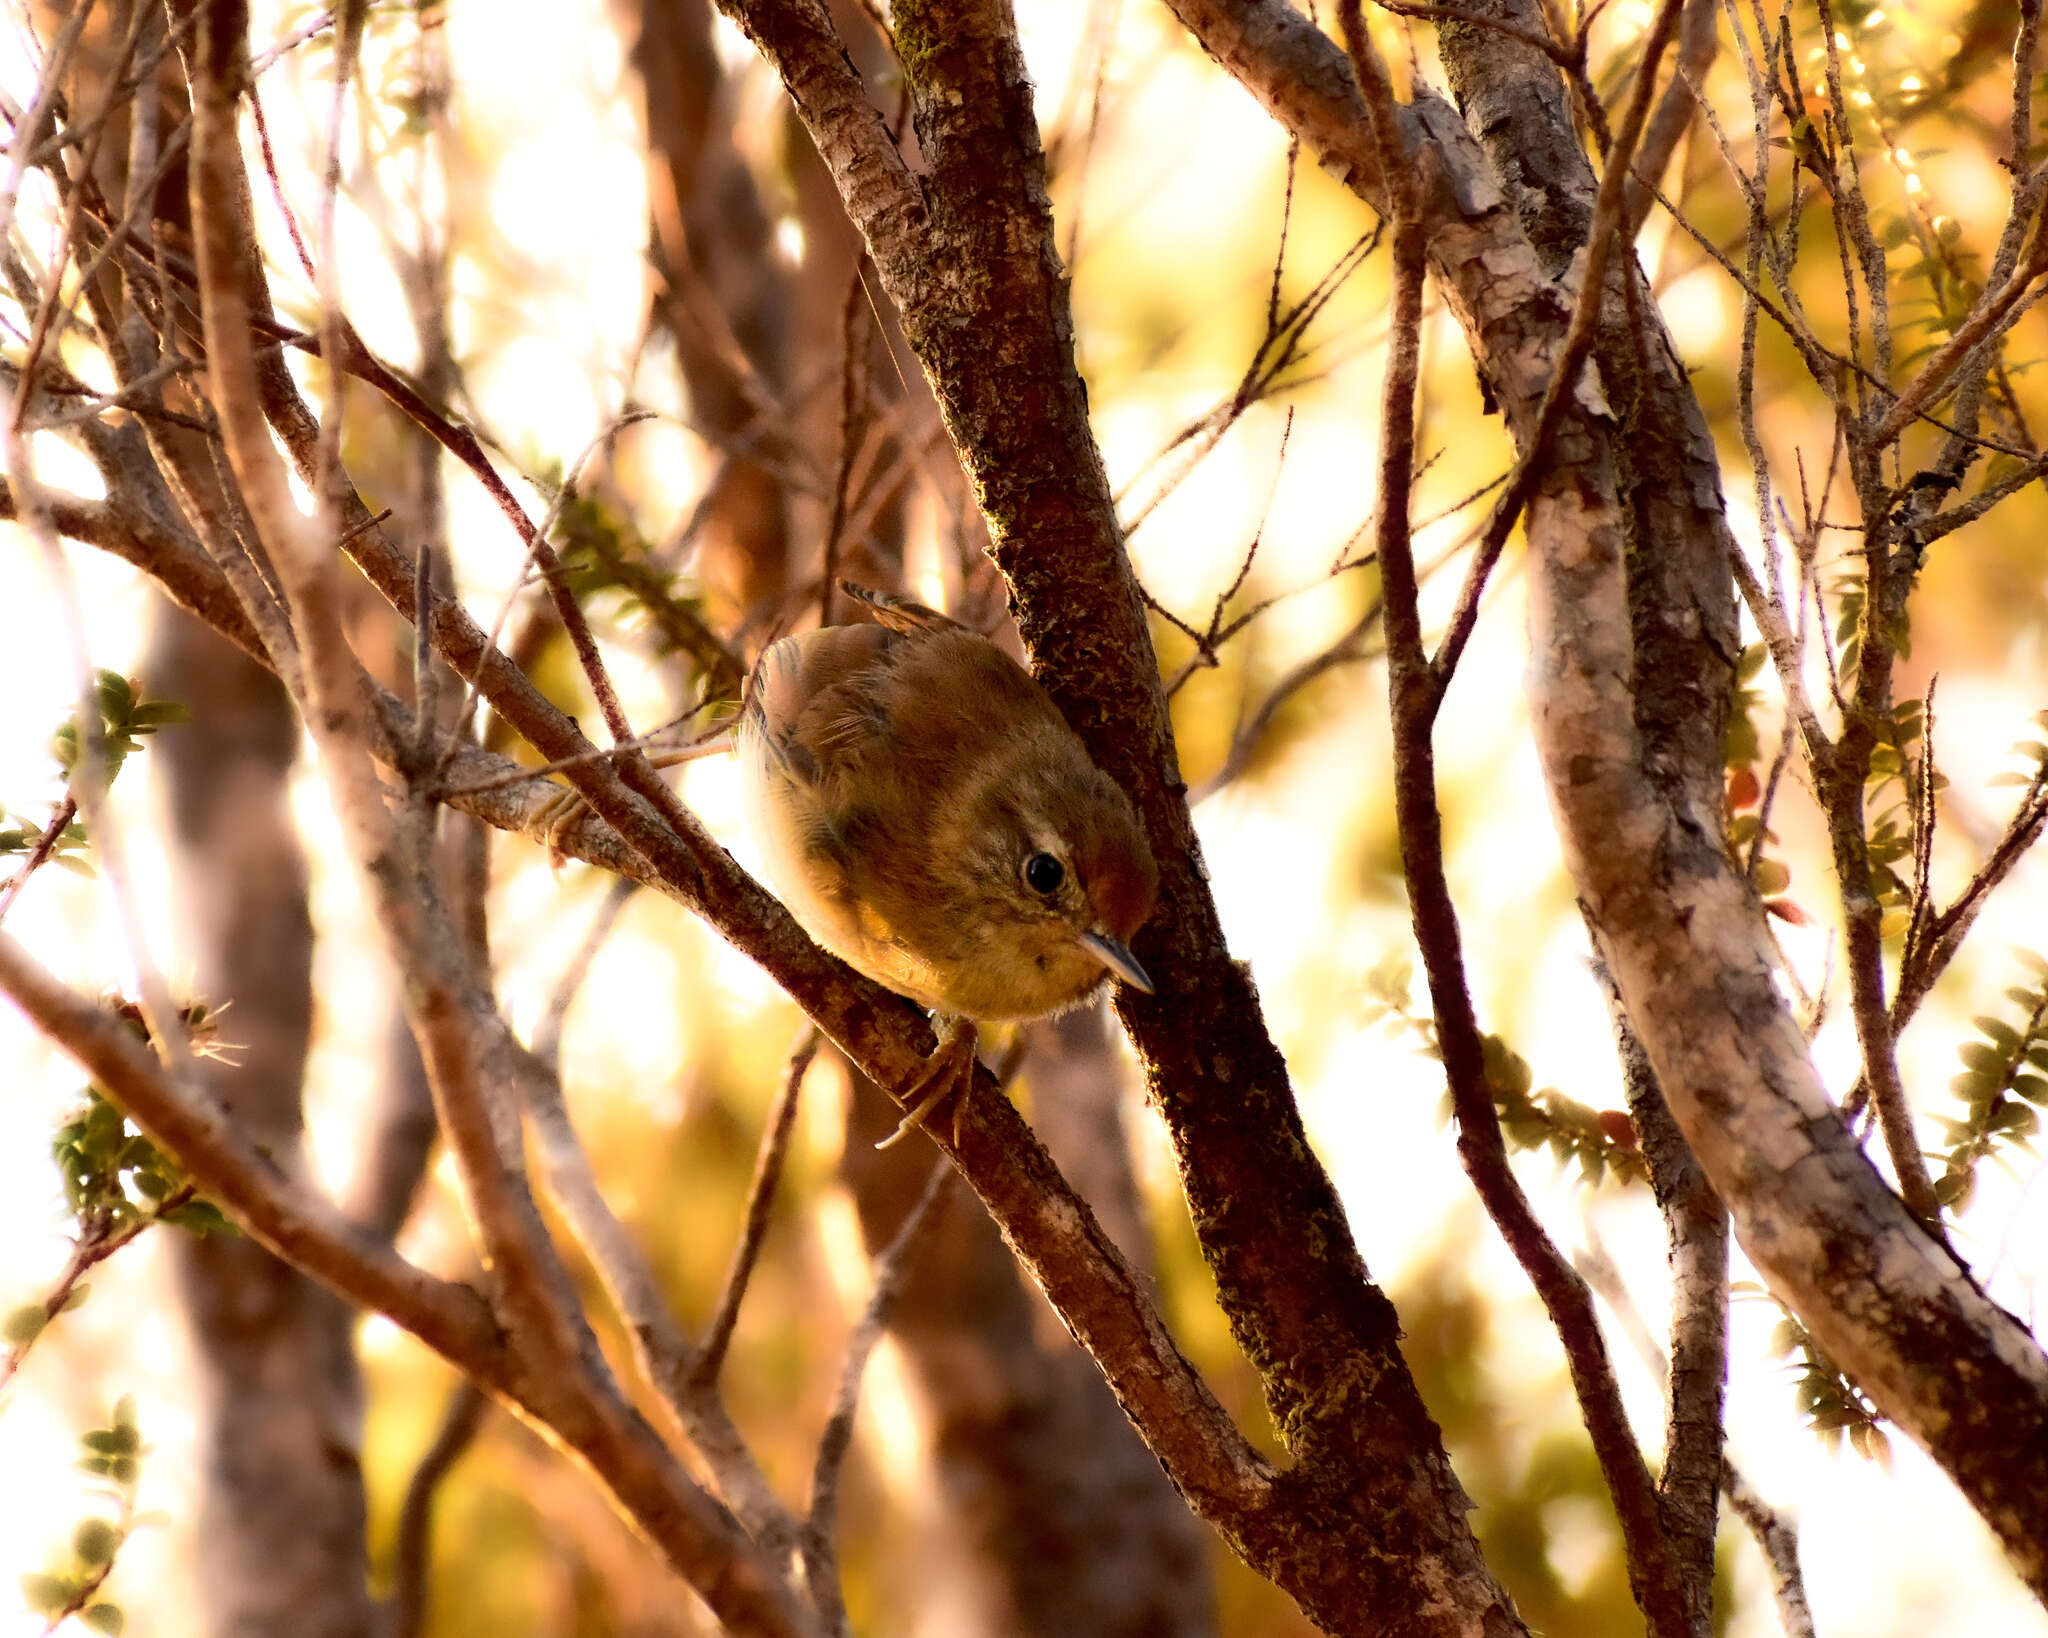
40	854
1415	690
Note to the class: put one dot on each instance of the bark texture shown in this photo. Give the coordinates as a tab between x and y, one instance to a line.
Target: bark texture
1367	1530
1633	634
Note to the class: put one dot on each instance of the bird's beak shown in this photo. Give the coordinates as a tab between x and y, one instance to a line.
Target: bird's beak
1118	960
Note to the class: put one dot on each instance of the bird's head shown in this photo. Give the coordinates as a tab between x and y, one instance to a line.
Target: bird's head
1075	879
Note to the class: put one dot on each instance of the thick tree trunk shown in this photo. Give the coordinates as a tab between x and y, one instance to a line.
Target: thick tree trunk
280	1532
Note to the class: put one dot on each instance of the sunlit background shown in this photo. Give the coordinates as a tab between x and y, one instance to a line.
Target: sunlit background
672	1052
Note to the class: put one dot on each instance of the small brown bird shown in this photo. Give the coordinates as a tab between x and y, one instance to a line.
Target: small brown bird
929	817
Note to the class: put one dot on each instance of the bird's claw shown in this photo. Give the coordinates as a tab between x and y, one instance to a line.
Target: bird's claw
564	806
949	1069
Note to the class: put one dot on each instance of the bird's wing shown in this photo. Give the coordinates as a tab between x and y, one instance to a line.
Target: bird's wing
813	699
899	613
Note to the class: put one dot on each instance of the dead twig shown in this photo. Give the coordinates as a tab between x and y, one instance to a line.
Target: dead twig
768	1162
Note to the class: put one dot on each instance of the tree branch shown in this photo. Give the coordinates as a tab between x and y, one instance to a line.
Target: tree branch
1414	691
1637	780
265	1202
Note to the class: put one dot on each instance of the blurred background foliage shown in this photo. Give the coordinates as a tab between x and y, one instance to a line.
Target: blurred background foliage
510	140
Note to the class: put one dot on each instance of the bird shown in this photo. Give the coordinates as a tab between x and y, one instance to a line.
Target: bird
928	816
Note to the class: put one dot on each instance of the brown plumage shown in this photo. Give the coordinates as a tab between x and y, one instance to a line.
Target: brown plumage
927	815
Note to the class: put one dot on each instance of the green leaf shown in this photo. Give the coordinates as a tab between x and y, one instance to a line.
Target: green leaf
117	696
23	1325
95	1541
1772	877
107	1618
1998	1031
203	1217
47	1594
2017	1120
111	1441
124	1412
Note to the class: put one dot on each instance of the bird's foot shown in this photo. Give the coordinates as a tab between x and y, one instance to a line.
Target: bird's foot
949	1069
563	808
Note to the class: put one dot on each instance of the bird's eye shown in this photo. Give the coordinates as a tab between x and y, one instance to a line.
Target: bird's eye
1044	873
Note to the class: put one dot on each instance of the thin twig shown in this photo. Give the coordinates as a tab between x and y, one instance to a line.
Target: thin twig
853	421
666	755
313	27
1415	689
1775	1533
1852	212
1930	955
1280	348
538	551
547	1034
892	1267
1996	311
424	675
1778	1537
98	1239
1696	1235
28	128
768	1161
1698	43
89	776
52	312
38	856
1208	642
1348	649
461	1420
660	1346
